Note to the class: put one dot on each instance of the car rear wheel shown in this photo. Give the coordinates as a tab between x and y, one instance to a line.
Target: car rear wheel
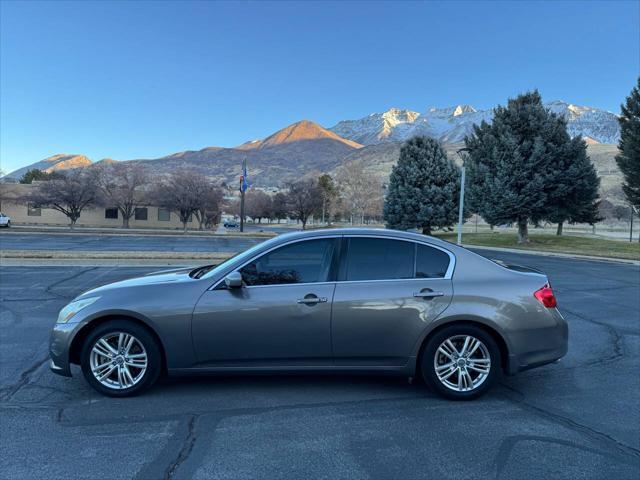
121	358
461	362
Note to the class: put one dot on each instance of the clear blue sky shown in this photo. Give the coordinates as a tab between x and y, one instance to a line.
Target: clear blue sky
142	80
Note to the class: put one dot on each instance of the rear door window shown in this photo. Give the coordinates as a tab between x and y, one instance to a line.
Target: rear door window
431	262
379	259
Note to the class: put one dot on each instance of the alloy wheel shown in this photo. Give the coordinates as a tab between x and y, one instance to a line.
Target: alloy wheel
118	360
462	363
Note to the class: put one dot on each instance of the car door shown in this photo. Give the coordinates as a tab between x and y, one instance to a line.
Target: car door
388	291
281	316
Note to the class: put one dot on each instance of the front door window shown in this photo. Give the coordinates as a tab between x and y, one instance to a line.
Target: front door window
301	262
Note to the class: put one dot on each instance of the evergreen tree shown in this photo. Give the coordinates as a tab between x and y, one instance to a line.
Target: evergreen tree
39	175
329	192
629	158
513	163
423	188
577	182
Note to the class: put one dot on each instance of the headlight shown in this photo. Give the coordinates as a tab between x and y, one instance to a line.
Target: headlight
74	307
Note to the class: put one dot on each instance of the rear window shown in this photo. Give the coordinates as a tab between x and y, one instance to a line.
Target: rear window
379	259
431	262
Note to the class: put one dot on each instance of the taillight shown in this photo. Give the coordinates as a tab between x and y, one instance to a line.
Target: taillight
546	297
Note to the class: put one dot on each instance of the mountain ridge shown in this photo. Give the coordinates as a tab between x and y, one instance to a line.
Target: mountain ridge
452	124
59	161
305	146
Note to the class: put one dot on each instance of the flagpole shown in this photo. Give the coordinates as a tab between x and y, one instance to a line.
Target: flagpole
242	189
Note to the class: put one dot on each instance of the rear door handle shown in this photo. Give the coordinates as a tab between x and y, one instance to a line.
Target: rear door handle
428	294
312	300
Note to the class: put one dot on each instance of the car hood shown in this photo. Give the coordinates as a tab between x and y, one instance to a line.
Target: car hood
159	278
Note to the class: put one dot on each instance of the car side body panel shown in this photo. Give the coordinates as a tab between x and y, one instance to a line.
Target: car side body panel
376	327
264	325
377	322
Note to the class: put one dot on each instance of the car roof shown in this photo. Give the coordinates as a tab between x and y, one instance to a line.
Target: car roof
374	232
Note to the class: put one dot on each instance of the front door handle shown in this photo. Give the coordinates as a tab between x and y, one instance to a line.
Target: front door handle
428	294
312	300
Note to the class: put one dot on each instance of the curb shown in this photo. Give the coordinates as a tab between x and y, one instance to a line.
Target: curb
116	232
124	255
576	256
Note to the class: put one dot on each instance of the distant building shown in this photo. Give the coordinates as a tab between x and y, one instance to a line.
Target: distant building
23	213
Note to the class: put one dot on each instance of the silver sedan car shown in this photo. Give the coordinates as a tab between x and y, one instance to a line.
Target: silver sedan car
331	301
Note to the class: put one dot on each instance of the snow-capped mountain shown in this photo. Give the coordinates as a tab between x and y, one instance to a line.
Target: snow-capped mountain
599	125
453	123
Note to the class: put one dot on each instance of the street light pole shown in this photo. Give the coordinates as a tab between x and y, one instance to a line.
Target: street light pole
631	226
461	205
461	209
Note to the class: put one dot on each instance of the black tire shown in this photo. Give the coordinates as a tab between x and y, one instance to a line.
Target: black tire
154	357
427	366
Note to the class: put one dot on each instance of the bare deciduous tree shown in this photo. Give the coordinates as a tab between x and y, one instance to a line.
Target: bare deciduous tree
69	195
360	190
180	192
209	205
257	205
122	187
187	193
279	206
304	199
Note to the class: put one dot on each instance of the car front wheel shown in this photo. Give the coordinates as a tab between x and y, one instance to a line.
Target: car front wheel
120	359
461	362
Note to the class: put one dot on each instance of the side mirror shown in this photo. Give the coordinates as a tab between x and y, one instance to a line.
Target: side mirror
233	280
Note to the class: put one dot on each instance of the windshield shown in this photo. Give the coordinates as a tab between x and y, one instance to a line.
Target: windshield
239	256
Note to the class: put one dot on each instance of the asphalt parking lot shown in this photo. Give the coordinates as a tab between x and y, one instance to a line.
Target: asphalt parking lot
575	419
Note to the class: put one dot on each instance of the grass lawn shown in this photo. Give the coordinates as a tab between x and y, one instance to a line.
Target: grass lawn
552	243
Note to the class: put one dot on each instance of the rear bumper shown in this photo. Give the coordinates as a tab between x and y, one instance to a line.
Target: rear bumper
540	346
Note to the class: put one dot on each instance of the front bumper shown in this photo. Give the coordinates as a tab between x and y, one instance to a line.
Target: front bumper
60	346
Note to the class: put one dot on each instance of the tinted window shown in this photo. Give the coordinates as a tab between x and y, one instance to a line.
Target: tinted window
164	215
110	213
141	213
33	210
431	262
302	262
379	259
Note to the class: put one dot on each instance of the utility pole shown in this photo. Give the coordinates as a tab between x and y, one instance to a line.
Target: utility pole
243	188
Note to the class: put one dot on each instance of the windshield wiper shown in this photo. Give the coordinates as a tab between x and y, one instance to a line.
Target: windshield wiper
200	271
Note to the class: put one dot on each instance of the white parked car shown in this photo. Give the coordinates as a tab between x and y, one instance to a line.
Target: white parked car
4	220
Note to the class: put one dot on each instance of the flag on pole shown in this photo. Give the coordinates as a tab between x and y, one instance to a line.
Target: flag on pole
243	178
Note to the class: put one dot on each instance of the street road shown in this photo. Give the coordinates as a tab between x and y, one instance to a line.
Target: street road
116	243
575	419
